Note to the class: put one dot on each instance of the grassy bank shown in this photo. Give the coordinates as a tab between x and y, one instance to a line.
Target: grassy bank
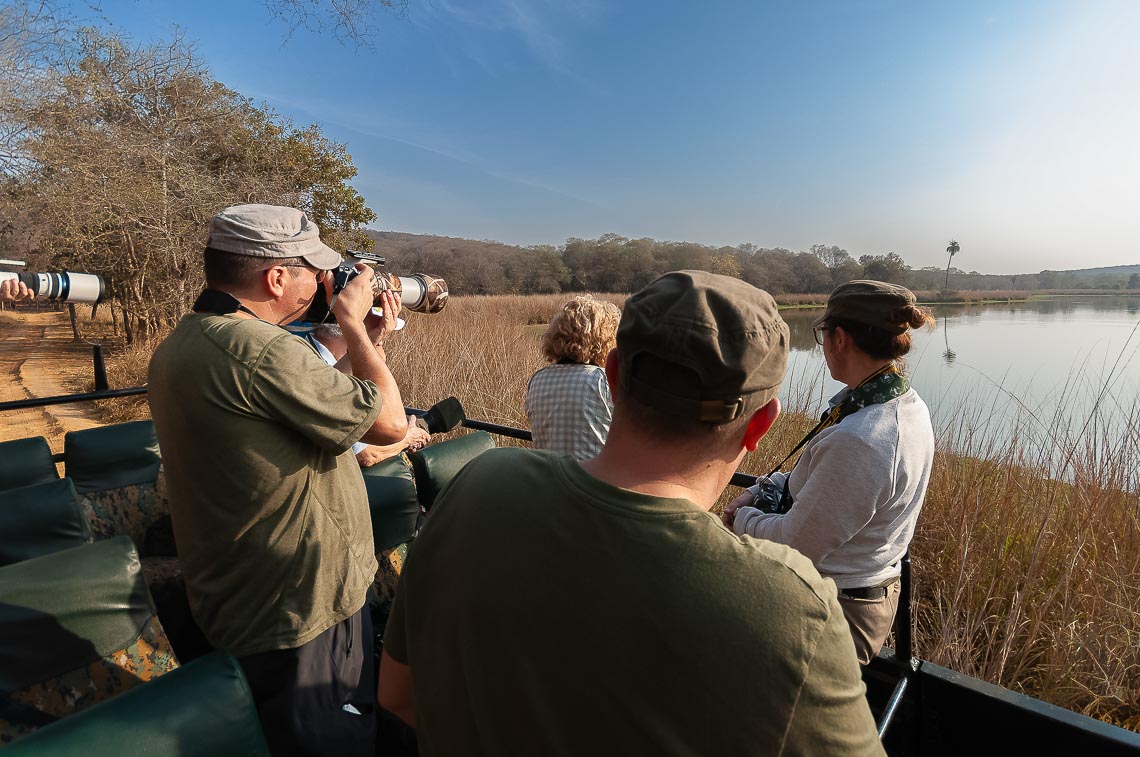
1020	579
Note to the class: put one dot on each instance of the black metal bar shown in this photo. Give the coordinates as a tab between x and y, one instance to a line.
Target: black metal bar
742	480
494	428
903	622
101	384
893	704
64	399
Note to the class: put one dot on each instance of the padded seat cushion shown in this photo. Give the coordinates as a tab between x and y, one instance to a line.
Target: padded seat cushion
77	627
40	519
63	610
111	457
436	464
204	708
392	502
24	462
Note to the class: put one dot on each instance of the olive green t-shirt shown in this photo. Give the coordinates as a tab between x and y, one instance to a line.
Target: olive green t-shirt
268	504
545	612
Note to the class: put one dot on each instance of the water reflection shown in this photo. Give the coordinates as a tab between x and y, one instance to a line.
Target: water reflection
948	355
1051	363
799	327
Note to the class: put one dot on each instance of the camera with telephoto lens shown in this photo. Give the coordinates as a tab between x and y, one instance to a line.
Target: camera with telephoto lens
770	497
78	288
420	292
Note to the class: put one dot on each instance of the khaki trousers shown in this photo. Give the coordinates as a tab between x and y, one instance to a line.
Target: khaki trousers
870	620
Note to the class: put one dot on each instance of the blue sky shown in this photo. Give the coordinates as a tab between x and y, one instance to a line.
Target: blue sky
880	126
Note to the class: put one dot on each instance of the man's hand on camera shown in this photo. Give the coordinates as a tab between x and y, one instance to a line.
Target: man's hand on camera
355	300
14	290
729	514
380	326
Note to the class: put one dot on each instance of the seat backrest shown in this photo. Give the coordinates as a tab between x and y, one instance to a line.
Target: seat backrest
115	469
24	462
40	519
395	511
204	708
392	502
76	627
436	464
111	457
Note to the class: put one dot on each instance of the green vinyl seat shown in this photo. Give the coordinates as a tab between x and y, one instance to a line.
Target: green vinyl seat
436	464
40	519
395	511
203	708
77	627
24	462
392	502
116	470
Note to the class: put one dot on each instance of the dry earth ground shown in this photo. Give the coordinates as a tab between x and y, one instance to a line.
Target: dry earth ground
38	358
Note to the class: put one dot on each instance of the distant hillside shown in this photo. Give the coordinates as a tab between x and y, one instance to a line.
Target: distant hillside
1112	271
473	267
613	263
388	242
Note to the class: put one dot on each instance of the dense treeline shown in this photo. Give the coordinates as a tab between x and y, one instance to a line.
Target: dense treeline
114	155
613	263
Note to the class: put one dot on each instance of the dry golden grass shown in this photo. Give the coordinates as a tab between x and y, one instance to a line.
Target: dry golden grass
1032	582
1020	579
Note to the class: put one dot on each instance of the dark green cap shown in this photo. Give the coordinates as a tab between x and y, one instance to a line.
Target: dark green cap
702	346
873	303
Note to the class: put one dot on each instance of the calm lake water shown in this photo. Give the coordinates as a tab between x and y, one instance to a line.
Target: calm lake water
1059	372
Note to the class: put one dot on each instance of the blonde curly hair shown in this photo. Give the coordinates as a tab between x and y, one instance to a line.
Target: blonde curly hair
584	331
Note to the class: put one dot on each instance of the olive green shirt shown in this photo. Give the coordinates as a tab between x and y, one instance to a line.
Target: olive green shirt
268	504
545	612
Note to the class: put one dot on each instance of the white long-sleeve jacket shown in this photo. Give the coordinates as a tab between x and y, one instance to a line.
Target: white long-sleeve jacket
857	491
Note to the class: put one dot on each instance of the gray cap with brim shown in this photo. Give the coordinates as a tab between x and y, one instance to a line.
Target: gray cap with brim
878	304
271	231
702	347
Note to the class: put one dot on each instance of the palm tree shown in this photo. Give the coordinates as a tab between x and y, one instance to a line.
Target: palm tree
953	250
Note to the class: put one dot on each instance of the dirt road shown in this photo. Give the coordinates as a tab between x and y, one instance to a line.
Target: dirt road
36	351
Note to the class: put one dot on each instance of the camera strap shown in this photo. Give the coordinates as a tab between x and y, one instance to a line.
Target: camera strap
221	303
881	386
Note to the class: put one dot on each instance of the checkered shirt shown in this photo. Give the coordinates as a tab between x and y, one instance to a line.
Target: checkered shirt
570	409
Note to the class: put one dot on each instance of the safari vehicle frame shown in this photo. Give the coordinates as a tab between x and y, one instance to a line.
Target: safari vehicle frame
921	708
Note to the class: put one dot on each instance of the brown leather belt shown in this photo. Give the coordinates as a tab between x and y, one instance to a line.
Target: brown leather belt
865	592
868	592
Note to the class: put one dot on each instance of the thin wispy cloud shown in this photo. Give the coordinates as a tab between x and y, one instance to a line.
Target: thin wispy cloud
529	22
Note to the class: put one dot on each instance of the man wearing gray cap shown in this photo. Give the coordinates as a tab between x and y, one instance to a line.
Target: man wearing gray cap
556	607
267	501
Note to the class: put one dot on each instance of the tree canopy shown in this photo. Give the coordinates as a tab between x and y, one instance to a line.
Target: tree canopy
118	154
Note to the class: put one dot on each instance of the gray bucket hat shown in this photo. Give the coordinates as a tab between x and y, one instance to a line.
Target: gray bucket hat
701	346
271	231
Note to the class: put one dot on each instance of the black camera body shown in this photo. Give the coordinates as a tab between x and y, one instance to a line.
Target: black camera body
771	498
420	292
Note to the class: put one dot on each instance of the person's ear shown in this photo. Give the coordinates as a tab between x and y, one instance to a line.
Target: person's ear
839	338
274	279
760	422
612	371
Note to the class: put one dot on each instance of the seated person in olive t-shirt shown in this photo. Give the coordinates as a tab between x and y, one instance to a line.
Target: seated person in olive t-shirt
554	607
267	502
